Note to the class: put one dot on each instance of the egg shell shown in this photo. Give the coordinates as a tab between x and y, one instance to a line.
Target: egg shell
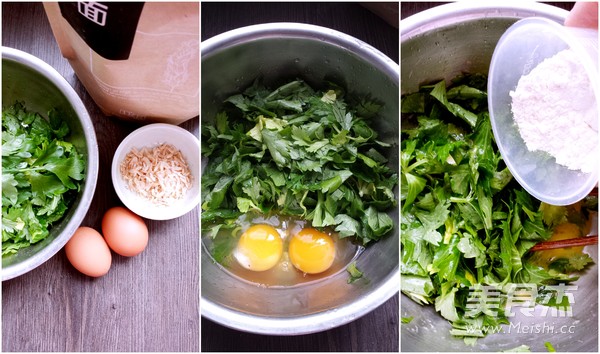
124	231
88	252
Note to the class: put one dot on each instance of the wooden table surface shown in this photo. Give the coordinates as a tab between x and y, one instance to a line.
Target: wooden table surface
378	330
145	303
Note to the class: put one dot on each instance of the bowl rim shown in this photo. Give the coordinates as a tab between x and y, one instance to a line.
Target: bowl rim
46	70
167	213
307	324
225	40
460	11
390	286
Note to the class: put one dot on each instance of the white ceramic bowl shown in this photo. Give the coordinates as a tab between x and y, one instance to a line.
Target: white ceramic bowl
150	136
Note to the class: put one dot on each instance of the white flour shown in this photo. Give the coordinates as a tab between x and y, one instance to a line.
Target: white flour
555	110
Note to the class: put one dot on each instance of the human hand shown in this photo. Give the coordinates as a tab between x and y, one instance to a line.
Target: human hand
583	14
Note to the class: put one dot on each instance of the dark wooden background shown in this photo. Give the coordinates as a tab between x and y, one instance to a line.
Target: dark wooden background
145	303
378	330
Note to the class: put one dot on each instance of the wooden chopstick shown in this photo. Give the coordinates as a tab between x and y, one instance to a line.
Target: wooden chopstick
573	242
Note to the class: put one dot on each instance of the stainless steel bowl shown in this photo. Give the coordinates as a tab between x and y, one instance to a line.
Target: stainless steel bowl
442	43
40	87
279	52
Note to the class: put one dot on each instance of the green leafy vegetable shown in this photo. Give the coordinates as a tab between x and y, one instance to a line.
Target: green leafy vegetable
465	223
355	274
571	264
41	175
550	347
298	152
407	320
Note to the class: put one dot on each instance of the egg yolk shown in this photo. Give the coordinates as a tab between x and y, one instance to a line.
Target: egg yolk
311	251
259	248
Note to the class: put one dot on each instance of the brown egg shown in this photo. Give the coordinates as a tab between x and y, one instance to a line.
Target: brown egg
88	253
124	232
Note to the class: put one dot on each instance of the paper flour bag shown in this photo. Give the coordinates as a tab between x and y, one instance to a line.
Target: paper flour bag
138	61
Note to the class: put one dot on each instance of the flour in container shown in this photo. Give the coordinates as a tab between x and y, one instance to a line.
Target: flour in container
555	109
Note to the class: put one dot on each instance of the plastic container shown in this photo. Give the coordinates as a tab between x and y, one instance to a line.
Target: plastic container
520	49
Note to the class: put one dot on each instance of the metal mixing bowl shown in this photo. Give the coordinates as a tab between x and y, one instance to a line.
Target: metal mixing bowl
442	43
40	87
281	52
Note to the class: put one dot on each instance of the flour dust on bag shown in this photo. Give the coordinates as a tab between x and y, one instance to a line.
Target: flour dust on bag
138	61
